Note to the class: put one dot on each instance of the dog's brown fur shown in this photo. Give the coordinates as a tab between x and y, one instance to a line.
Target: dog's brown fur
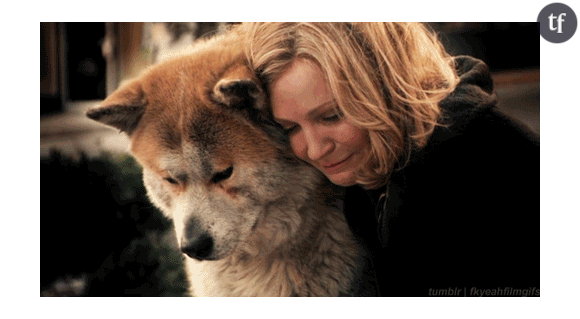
273	226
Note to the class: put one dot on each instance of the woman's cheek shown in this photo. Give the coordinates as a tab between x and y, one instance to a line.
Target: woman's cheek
298	146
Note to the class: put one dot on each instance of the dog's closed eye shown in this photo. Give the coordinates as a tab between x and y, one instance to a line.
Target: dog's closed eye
223	175
171	180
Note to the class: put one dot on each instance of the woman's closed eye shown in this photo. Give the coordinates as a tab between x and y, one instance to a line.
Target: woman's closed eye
290	129
331	117
287	126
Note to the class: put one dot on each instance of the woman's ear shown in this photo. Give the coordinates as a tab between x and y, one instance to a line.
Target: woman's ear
123	109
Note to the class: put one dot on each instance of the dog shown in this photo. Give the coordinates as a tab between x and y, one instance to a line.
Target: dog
252	219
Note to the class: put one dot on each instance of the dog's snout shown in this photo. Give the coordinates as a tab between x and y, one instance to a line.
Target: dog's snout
199	248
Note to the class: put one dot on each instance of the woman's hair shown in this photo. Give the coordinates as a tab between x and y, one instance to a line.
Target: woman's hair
387	78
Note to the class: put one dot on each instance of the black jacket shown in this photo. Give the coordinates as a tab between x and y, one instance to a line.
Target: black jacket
464	212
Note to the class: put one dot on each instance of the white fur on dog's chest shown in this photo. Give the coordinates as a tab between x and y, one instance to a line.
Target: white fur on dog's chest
202	280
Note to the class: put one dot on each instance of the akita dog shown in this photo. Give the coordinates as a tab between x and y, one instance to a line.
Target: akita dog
251	217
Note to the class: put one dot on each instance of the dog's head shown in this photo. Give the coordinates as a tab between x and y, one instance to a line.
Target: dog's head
198	128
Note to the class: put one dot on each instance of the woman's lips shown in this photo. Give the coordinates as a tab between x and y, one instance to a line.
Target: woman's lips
335	166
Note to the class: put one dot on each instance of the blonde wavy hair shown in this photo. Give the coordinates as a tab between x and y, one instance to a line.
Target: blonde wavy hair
387	78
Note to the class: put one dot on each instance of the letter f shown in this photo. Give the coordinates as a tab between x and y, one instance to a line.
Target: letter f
560	20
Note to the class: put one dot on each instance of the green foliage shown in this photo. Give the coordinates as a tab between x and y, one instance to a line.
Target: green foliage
105	228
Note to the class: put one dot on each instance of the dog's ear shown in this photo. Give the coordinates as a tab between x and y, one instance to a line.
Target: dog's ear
240	93
123	109
239	89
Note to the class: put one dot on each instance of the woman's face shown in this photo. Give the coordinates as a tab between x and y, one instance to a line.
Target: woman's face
303	104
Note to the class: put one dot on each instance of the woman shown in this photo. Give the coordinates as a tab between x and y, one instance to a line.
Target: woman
441	186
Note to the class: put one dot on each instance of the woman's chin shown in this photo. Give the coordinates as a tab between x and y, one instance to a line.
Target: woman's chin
344	180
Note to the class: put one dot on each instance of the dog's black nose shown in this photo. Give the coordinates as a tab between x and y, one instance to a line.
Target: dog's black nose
199	248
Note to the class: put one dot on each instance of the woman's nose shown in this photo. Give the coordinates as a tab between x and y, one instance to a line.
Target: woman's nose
317	144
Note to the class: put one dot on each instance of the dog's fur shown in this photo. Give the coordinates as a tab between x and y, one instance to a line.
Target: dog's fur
261	222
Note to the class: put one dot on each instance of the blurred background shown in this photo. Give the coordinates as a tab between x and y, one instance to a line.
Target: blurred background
99	234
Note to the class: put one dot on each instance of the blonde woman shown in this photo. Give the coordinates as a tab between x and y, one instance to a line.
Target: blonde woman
441	186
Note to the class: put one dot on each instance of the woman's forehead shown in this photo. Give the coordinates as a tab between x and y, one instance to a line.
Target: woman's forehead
301	89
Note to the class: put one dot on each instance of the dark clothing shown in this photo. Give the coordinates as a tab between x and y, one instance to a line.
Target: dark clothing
464	212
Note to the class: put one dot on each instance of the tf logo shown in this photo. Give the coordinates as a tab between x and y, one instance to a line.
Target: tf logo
560	20
557	22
